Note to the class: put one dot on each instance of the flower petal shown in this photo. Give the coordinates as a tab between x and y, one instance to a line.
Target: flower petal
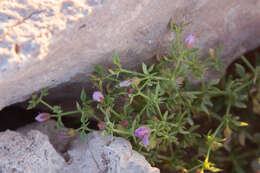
143	131
145	140
98	96
125	83
189	41
42	117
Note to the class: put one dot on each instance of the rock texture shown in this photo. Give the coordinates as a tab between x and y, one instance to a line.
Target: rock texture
105	154
30	150
47	43
57	138
28	154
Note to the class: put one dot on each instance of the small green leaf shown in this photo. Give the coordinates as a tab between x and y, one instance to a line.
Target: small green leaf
83	136
99	69
83	96
144	68
240	104
59	123
33	102
214	82
78	106
44	92
116	60
57	109
204	108
83	118
240	70
150	69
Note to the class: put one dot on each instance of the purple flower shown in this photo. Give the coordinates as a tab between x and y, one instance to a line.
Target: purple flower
125	83
144	133
42	117
189	41
98	96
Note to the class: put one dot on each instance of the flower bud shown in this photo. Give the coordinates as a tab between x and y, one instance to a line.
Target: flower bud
98	96
42	117
71	132
102	125
243	124
125	83
189	41
227	132
130	90
135	81
199	171
124	123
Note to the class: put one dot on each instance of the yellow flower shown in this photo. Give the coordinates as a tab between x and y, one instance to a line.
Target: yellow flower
210	166
243	124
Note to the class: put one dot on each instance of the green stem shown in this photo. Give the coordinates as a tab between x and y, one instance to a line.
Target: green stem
195	167
105	113
47	105
177	65
248	64
69	113
219	127
121	132
144	96
243	86
213	136
116	114
132	72
160	78
159	111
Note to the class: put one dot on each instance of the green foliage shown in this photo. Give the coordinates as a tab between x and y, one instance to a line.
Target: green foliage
161	97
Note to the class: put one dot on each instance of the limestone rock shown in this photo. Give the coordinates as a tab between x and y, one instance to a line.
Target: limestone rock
47	43
57	138
105	154
28	154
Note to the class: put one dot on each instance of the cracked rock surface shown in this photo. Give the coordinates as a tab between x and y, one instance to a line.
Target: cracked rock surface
48	43
32	150
105	154
30	153
56	137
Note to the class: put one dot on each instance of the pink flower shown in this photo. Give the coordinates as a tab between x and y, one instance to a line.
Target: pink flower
102	125
144	133
98	96
125	83
42	117
189	41
124	123
130	90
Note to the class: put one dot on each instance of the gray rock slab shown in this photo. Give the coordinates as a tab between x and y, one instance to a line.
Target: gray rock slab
47	43
108	154
31	153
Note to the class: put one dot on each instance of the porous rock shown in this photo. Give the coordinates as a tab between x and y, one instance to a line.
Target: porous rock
57	137
47	43
105	154
31	153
